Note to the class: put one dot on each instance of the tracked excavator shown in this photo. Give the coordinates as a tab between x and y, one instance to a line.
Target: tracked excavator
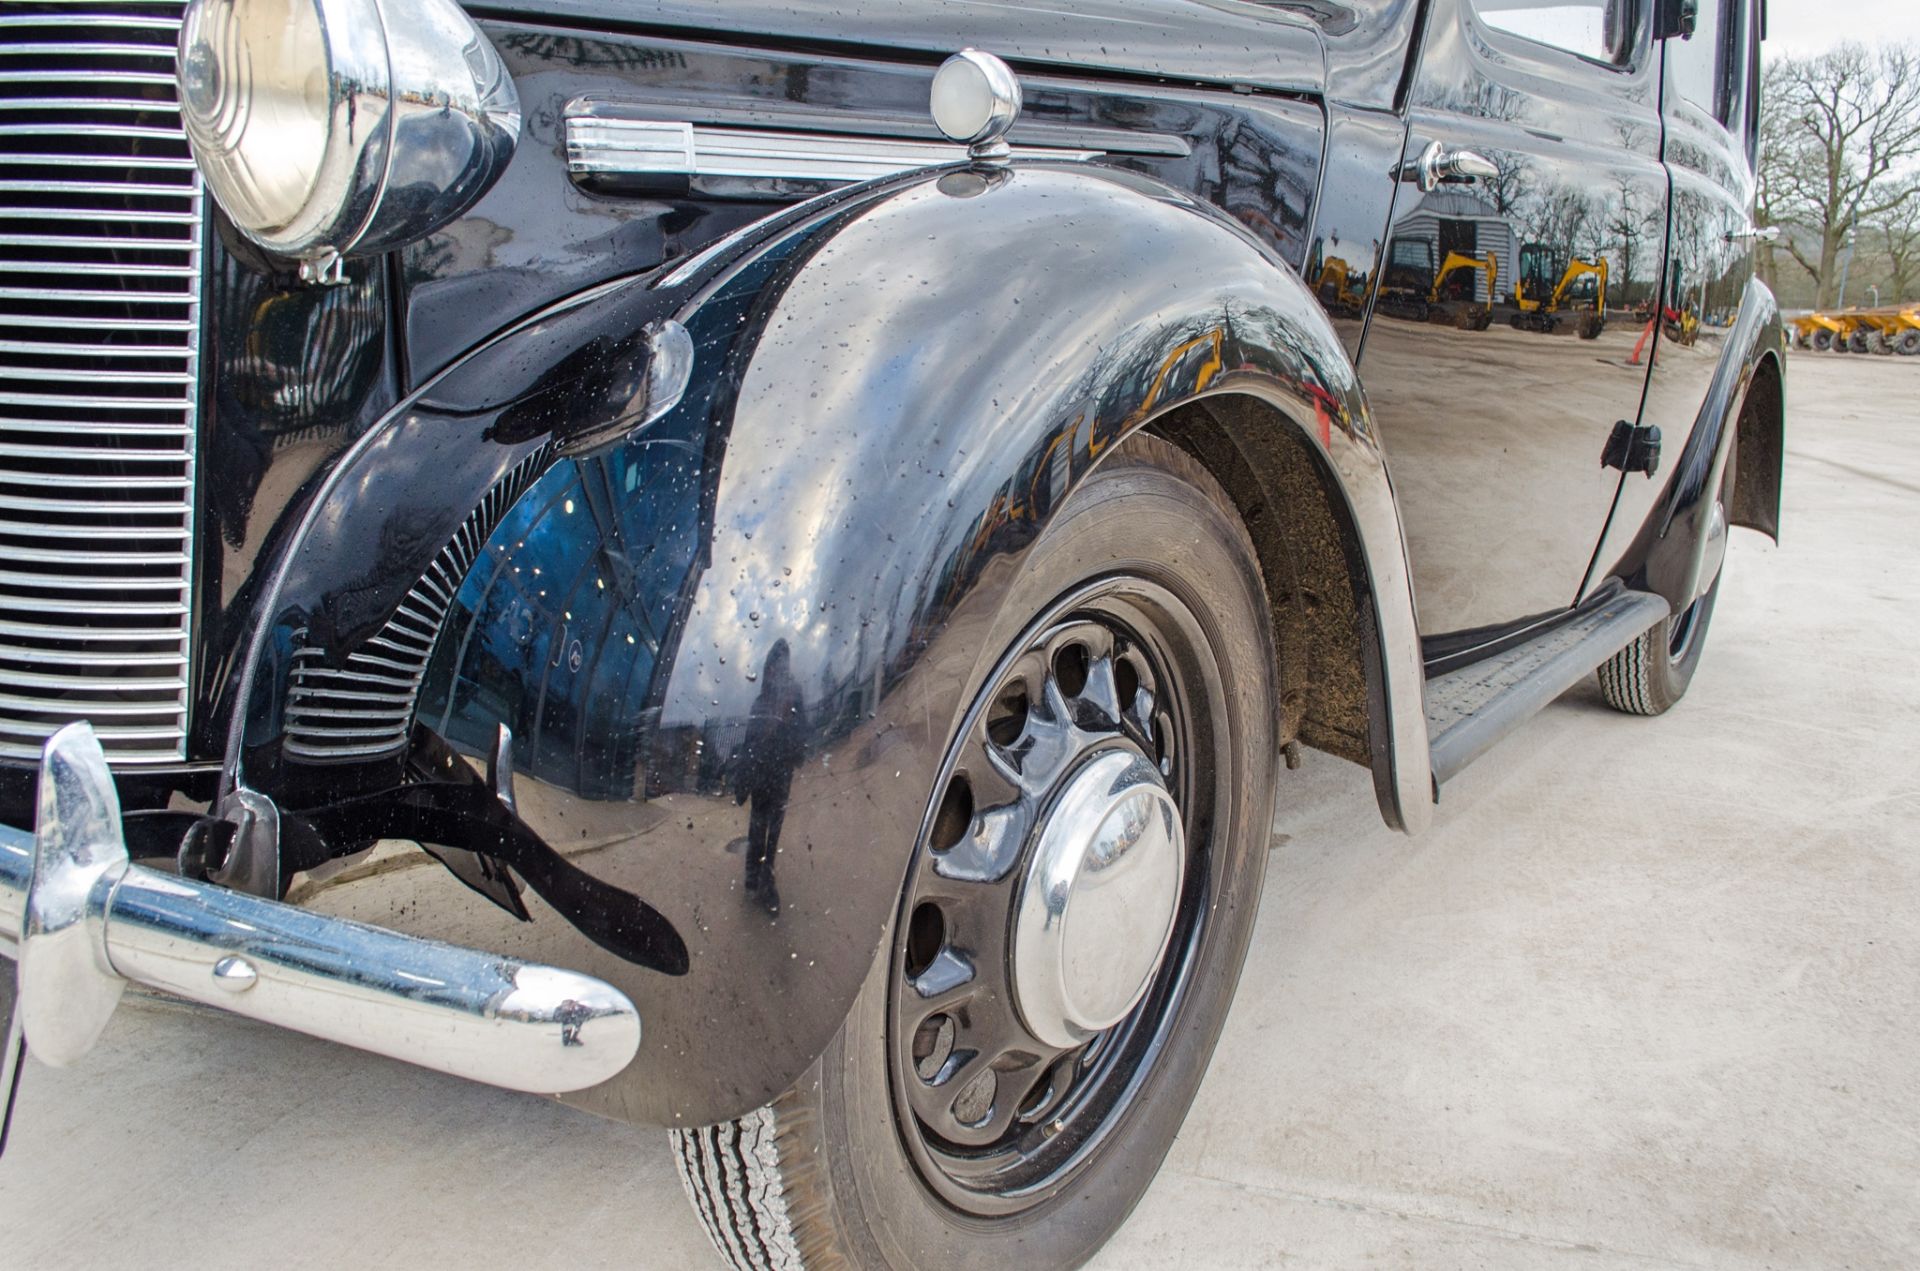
1551	285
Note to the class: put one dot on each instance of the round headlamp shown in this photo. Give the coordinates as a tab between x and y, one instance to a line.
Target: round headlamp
335	128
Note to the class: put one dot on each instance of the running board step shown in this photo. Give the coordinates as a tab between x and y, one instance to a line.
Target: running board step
1470	709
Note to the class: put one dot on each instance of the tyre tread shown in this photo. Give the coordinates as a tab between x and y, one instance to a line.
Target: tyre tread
738	1181
1624	678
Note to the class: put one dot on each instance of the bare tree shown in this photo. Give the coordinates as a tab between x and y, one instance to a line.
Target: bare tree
1899	232
1838	131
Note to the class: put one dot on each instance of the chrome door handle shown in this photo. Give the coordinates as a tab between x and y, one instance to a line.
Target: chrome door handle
1759	234
1437	164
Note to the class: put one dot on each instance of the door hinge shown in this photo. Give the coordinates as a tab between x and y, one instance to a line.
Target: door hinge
1633	448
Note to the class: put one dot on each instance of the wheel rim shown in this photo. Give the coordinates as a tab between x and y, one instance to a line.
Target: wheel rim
1680	634
1116	677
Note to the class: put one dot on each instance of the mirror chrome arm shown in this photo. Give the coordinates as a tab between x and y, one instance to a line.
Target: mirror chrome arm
84	922
1756	233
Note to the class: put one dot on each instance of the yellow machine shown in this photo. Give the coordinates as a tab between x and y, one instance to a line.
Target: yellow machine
1890	330
1335	286
1550	284
1472	318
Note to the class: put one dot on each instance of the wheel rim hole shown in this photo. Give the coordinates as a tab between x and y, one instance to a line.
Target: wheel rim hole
1161	748
1070	667
926	936
932	1045
1007	718
1126	680
955	815
975	1104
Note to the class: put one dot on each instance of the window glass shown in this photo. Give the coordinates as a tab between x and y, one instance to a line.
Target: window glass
1601	30
1702	67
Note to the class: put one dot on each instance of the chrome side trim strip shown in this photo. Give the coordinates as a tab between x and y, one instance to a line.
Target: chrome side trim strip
649	147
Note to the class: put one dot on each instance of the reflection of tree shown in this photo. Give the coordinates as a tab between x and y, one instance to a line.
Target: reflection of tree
1627	225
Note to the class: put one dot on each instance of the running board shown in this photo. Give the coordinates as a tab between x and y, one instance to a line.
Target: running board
1470	709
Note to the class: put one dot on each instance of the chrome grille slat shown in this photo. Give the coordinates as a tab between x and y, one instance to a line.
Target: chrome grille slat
88	103
85	48
107	189
89	267
89	20
95	608
100	271
156	78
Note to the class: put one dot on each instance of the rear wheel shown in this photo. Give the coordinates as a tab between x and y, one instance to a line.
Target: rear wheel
1650	675
1822	340
1907	344
1071	926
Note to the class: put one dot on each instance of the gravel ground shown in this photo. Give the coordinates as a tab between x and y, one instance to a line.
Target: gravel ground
1646	995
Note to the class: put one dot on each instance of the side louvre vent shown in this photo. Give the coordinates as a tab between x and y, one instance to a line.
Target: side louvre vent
100	240
364	709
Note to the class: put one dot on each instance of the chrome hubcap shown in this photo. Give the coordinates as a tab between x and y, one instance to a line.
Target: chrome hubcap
1097	905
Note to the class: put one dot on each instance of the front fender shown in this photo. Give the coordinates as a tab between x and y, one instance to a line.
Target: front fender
759	618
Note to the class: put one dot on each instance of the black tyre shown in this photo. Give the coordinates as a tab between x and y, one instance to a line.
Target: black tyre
1822	340
949	1124
1907	343
1650	675
1860	342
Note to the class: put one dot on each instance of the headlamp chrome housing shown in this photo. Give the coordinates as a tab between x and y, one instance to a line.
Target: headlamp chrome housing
336	128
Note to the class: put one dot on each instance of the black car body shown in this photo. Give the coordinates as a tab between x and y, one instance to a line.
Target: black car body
337	536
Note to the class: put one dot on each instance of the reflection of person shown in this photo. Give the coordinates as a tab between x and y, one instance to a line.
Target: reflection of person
763	768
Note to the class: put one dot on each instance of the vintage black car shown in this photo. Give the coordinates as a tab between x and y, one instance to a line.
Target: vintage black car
755	566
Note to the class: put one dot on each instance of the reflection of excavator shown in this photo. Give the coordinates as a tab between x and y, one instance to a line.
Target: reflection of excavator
1550	284
1472	318
1336	289
1410	286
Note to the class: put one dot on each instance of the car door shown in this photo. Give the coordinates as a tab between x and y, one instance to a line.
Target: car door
1533	139
1711	117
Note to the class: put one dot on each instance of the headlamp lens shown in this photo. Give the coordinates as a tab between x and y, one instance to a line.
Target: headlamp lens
255	104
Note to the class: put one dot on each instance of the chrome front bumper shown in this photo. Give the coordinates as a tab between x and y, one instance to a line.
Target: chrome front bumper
83	922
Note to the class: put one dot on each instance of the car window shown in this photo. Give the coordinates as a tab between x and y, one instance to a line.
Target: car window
1703	68
1599	30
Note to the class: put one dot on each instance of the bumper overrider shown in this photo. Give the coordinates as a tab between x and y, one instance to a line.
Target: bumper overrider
83	922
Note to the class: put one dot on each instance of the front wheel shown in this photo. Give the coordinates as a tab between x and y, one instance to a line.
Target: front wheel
1071	925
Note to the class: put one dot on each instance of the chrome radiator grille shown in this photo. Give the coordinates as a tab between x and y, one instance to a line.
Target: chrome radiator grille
100	238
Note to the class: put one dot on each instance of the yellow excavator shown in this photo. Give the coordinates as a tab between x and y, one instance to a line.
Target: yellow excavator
1551	284
1473	317
1336	289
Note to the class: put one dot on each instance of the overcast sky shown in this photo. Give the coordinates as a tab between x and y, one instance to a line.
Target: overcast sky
1813	26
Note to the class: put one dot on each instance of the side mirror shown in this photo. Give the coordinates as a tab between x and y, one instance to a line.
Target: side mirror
1675	18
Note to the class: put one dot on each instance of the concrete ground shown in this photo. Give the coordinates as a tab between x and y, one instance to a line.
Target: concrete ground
1648	994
